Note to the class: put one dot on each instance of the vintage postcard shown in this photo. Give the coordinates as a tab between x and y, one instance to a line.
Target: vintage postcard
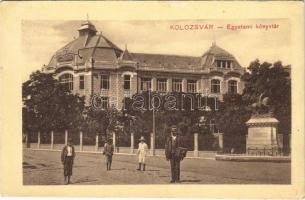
152	99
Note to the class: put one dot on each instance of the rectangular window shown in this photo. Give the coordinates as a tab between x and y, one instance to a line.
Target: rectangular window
232	87
215	86
191	86
218	63
126	82
229	64
81	82
105	82
145	84
177	85
161	85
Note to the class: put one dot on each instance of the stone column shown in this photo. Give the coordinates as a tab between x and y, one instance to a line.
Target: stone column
96	143
196	154
38	140
81	141
114	141
27	140
184	85
240	87
223	86
169	85
152	144
66	137
220	140
52	140
154	84
198	86
131	142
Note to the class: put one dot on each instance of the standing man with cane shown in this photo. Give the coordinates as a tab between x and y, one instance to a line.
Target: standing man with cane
175	152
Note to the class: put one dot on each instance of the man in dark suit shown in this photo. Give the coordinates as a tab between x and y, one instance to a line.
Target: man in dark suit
67	159
173	153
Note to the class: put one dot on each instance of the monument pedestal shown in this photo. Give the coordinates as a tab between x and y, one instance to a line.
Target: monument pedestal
262	136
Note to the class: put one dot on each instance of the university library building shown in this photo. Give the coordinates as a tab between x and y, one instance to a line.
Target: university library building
92	65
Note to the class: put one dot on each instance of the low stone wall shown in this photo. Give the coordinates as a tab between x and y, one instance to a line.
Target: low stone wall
251	158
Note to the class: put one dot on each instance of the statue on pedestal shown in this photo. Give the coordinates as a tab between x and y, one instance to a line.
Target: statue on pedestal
262	129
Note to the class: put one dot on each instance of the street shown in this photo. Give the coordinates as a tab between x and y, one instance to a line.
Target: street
43	167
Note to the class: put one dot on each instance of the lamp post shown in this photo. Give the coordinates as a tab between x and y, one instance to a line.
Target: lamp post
131	119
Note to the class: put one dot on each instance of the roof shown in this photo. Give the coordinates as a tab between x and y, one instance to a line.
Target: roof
84	48
90	47
87	25
166	61
126	55
96	41
217	53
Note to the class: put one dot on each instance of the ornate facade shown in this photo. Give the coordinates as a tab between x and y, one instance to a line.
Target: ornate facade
92	64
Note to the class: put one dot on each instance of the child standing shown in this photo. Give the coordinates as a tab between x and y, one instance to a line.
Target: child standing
142	151
108	152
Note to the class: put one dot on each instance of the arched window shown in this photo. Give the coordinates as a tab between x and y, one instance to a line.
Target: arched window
232	89
67	80
215	86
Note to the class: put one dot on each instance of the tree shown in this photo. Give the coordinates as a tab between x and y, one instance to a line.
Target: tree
49	105
103	121
268	80
274	82
184	116
232	117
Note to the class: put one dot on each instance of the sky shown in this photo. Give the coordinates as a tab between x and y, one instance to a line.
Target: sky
40	39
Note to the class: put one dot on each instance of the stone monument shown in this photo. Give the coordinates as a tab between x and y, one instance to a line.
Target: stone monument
262	137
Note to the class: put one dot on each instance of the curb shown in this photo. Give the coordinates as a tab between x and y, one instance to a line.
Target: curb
126	154
247	158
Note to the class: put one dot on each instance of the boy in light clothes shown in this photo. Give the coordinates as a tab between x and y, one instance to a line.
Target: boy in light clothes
142	151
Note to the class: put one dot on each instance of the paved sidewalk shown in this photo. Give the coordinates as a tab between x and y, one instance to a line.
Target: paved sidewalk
44	168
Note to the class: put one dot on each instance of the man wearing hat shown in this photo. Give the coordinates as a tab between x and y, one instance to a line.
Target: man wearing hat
108	152
174	152
67	158
142	151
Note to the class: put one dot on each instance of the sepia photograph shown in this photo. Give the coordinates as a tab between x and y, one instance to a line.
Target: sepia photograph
152	99
156	102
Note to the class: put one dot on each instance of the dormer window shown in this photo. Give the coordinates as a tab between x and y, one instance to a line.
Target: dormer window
224	64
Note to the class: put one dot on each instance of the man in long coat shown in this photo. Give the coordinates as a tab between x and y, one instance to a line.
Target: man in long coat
174	152
67	159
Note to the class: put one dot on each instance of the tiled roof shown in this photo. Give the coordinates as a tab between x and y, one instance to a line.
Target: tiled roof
98	49
126	55
217	53
88	42
166	61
